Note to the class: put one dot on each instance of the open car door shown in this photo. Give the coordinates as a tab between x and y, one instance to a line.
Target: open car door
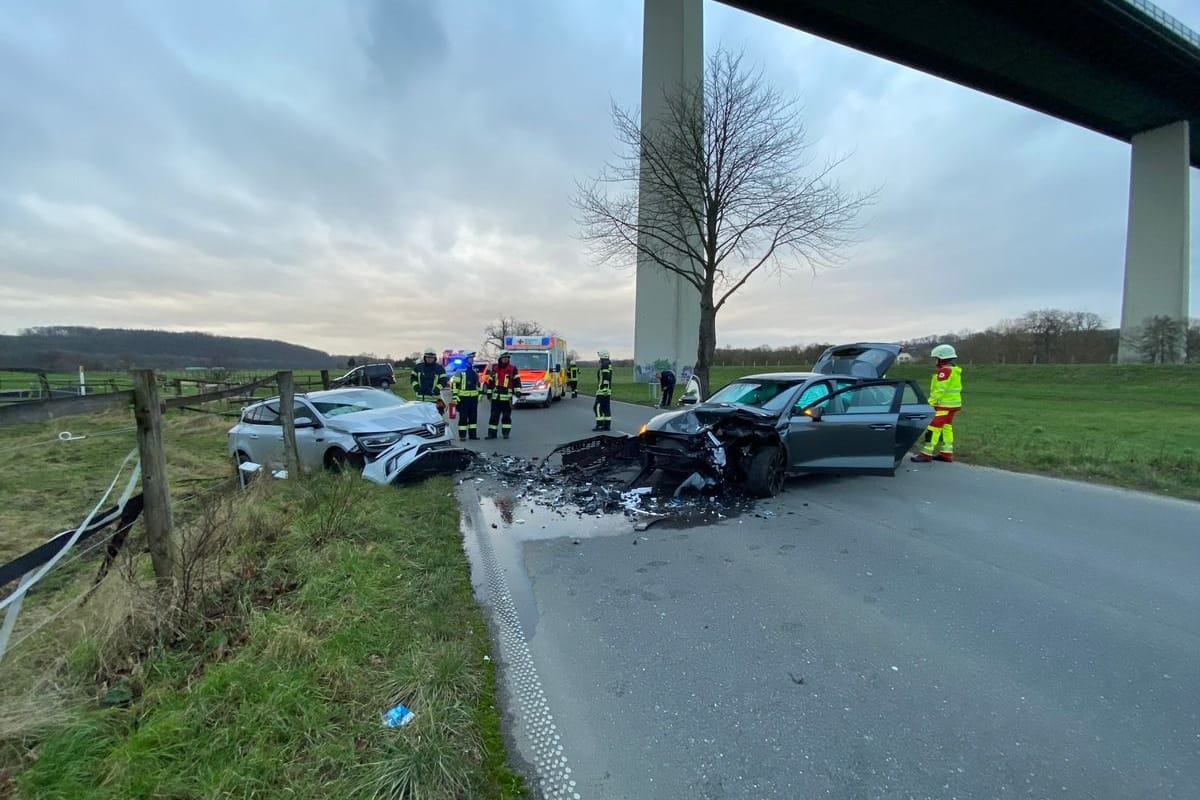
854	429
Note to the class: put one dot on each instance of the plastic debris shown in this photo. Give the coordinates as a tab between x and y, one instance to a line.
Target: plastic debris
397	717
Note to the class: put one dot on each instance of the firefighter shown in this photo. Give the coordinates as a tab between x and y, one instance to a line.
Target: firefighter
464	388
603	404
573	378
945	395
503	385
428	378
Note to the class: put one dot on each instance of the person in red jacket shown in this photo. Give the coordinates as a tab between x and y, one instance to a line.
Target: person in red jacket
504	384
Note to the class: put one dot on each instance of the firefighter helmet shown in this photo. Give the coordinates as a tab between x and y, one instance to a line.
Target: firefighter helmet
603	354
429	351
504	354
944	351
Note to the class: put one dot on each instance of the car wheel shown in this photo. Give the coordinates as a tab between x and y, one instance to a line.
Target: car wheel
336	460
385	384
764	476
239	458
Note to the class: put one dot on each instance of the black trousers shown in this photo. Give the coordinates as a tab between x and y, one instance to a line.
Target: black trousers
574	388
500	416
668	392
468	417
603	409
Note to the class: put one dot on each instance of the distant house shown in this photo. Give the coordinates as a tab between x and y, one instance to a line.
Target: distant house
904	358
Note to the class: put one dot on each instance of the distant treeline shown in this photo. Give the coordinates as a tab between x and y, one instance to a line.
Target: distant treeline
64	348
1049	336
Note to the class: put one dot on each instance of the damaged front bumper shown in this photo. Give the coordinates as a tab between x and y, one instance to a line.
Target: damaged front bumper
408	460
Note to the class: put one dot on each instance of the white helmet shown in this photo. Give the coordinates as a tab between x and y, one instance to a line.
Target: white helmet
602	353
944	351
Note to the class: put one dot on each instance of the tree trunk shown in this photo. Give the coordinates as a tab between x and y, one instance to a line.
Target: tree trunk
707	348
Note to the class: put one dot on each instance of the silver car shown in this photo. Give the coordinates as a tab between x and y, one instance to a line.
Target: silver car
844	416
385	436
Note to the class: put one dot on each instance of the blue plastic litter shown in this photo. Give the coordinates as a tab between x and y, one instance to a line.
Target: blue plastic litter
397	717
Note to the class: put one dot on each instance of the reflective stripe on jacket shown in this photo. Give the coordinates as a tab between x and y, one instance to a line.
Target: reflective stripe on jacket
504	381
427	379
465	384
945	389
604	380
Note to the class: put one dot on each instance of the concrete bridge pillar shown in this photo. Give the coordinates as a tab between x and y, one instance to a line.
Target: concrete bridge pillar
1156	246
667	309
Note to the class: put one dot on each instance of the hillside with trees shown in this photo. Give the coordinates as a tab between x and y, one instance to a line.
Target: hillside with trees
64	348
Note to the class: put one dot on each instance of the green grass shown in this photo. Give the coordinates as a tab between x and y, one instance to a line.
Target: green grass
349	597
1128	425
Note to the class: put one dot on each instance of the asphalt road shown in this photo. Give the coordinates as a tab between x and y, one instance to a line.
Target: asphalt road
952	632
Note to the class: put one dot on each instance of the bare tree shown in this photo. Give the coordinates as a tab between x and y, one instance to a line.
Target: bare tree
734	192
494	333
1161	340
1193	342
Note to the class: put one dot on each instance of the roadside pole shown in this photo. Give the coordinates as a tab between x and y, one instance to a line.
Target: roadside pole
287	398
155	493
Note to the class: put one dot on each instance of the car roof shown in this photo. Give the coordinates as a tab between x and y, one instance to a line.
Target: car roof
786	377
322	394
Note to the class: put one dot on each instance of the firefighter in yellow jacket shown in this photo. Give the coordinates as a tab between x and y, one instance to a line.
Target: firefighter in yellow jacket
945	395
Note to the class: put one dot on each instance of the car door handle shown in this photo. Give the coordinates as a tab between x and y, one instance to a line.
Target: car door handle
917	415
881	426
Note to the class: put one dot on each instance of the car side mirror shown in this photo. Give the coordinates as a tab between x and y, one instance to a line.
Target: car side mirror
814	413
306	422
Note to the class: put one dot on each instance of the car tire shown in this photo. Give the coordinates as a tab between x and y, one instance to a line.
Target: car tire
336	460
239	458
386	385
766	472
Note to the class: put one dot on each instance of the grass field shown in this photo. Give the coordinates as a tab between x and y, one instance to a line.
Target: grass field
1128	425
331	600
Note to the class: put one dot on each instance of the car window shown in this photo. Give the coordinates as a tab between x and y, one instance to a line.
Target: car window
911	398
353	401
750	393
267	415
811	395
868	400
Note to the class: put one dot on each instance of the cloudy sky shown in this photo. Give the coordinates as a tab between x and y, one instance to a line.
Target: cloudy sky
379	175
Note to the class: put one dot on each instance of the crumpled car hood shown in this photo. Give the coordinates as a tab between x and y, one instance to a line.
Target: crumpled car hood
392	418
694	420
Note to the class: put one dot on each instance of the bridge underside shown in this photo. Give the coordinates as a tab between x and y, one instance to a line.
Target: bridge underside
1102	64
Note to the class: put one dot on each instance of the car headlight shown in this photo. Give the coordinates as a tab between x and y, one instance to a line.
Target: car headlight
540	385
376	441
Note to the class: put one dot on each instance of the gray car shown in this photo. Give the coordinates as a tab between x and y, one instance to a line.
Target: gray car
844	416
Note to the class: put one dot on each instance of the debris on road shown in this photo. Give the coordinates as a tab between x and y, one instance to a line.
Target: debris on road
603	475
397	717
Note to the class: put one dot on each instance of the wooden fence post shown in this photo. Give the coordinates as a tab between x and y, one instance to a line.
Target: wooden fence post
287	399
324	379
155	492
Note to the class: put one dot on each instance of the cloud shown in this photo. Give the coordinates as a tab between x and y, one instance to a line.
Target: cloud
384	174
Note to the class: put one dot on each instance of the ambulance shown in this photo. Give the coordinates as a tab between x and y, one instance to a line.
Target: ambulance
541	363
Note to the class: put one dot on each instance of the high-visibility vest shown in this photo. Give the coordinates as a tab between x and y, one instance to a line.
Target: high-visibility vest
945	389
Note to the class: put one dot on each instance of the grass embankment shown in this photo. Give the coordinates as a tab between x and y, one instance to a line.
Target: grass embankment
324	602
1128	425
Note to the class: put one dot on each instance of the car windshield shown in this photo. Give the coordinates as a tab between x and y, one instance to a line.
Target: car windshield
353	401
530	360
760	394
